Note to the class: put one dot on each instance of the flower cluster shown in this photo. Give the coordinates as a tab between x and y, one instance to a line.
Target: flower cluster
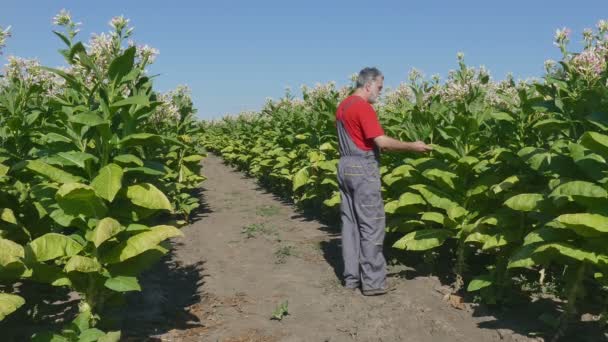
403	92
175	105
590	63
314	95
63	18
28	72
4	34
562	36
146	54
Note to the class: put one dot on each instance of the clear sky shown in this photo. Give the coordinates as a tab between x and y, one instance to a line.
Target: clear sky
234	54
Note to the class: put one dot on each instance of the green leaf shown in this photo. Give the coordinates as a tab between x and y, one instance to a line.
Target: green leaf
445	152
90	335
62	37
128	159
80	199
83	264
75	158
333	201
548	234
468	161
123	284
505	185
300	178
136	265
145	170
502	116
148	196
480	282
50	274
433	217
596	142
407	202
122	65
83	320
193	158
51	172
141	100
551	125
444	178
112	336
91	119
525	202
422	240
440	200
587	225
7	215
522	258
403	171
141	139
140	243
327	147
105	229
61	218
566	250
9	303
108	182
48	337
52	245
10	252
54	137
3	170
583	192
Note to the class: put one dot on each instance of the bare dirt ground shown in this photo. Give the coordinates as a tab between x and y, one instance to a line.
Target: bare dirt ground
248	252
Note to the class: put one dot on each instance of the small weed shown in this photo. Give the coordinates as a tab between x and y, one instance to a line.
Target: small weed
282	253
254	229
267	210
280	312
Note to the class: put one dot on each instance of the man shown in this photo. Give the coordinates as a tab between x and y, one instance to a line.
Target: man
361	138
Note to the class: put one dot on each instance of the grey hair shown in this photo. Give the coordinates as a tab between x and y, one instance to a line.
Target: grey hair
367	75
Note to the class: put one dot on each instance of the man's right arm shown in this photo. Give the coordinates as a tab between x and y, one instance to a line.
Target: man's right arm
386	143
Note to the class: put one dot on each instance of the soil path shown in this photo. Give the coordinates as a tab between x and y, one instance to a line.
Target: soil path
249	252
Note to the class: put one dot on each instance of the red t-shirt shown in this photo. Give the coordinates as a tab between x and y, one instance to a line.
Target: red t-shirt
360	121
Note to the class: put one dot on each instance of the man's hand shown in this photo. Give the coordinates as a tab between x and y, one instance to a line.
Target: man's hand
420	146
387	143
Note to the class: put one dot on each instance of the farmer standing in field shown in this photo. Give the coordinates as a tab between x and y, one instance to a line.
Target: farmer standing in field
360	139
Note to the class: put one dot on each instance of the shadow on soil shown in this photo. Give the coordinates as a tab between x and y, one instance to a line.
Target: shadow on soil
203	210
168	290
46	309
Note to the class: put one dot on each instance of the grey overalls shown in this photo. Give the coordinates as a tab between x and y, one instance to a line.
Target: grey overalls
362	212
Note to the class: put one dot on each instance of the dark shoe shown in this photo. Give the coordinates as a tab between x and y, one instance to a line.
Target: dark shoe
352	287
378	292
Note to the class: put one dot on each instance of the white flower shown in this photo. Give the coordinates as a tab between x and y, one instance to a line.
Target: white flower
549	65
602	26
4	34
403	92
588	35
147	52
119	23
414	75
590	62
63	18
562	36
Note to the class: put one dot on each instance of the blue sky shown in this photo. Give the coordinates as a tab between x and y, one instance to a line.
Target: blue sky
234	54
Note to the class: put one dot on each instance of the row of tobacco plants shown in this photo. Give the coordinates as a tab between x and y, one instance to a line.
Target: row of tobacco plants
92	161
517	184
